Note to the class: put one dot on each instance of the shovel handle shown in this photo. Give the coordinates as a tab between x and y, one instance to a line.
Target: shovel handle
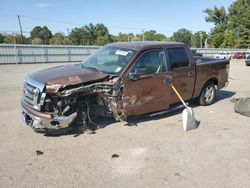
178	95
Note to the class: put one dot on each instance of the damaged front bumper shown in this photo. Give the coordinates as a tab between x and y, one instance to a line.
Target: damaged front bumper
38	120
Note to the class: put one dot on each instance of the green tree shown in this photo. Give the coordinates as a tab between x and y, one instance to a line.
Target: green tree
122	37
15	39
152	35
216	37
58	39
218	16
67	41
229	40
239	22
102	40
21	39
232	28
138	37
77	36
41	32
91	35
182	35
46	35
9	39
36	32
1	38
101	30
93	32
198	37
36	41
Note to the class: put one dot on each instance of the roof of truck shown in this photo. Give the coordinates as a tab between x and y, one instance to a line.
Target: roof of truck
145	44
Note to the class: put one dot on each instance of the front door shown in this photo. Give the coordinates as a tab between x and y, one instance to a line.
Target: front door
144	88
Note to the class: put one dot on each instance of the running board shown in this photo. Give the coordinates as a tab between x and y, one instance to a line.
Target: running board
171	109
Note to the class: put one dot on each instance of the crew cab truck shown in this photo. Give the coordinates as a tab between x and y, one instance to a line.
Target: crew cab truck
120	80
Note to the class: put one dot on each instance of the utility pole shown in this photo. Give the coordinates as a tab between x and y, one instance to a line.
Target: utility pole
201	39
20	26
206	43
143	37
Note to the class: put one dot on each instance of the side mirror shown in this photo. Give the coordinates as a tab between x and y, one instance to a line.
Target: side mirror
137	73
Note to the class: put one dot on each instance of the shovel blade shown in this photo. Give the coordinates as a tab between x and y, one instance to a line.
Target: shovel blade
188	119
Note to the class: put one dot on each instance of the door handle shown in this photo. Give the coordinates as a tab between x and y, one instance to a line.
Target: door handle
190	74
167	82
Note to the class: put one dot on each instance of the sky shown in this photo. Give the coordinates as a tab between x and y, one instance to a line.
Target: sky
163	16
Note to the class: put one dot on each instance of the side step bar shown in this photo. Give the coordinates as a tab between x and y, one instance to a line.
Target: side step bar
170	109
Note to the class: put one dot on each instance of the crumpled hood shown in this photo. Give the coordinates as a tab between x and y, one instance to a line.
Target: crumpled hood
56	77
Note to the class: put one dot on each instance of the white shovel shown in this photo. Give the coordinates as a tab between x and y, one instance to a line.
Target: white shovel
188	118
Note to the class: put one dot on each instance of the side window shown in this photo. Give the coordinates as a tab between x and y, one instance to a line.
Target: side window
177	57
151	62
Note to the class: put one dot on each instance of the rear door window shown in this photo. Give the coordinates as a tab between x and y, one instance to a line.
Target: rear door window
177	58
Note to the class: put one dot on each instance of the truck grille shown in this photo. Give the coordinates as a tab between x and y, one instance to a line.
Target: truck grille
32	92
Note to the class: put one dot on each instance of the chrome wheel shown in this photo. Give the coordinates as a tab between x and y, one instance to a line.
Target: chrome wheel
209	94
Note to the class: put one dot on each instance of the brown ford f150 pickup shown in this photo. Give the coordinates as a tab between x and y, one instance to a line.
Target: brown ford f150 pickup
120	80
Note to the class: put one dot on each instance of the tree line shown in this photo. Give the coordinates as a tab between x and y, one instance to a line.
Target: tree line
99	35
231	30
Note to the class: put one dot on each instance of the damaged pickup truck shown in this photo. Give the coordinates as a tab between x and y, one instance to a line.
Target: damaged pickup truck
119	80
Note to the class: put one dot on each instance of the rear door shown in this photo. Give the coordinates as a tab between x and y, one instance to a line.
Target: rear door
182	70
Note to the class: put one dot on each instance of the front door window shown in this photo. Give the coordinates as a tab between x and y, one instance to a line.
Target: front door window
151	62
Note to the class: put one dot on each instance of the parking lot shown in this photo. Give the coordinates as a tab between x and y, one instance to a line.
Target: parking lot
150	153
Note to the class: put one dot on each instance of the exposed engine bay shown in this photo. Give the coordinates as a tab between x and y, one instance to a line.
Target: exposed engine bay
97	99
78	104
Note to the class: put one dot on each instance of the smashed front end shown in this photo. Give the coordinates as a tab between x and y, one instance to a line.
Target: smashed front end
46	107
67	95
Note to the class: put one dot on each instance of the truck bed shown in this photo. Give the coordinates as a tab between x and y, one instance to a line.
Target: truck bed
212	69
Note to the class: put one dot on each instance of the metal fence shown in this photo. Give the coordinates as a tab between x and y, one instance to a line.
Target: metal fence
20	53
211	52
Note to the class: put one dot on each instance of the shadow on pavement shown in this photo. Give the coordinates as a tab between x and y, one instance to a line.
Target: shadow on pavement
223	94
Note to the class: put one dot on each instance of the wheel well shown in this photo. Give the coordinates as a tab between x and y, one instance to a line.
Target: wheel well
213	80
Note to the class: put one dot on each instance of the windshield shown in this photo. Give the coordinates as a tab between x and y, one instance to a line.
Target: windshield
110	60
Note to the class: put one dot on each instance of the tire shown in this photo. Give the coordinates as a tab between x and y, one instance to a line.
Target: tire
207	95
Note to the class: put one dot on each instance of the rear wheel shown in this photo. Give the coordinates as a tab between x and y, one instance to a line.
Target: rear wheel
207	94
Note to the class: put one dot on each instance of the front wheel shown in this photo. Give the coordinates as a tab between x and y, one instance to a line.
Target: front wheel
207	94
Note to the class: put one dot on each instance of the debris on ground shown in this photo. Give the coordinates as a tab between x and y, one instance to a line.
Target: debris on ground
177	174
242	106
115	156
38	152
234	100
90	131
